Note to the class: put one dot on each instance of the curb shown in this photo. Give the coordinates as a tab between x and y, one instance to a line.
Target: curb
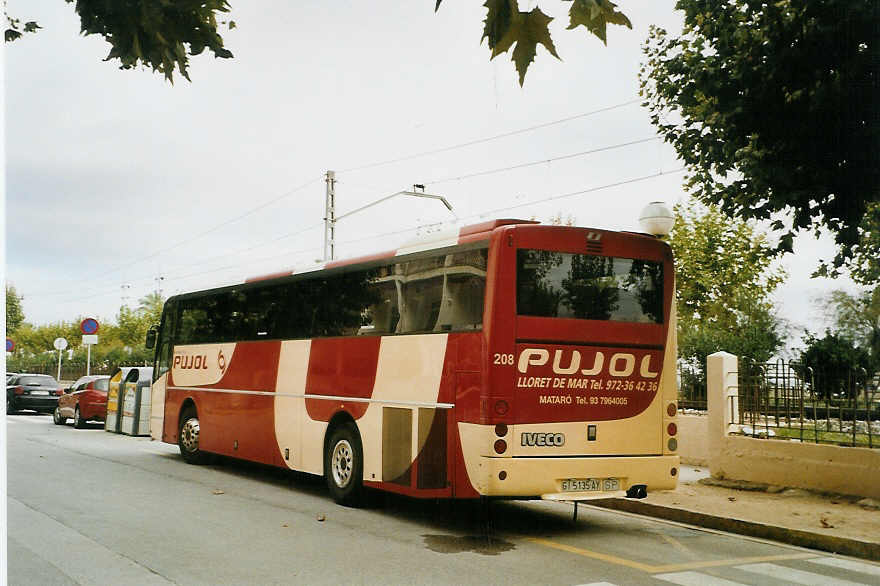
829	543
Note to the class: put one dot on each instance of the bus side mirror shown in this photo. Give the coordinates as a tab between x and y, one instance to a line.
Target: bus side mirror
152	333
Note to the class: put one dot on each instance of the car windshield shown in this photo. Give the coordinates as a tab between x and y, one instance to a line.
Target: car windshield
37	381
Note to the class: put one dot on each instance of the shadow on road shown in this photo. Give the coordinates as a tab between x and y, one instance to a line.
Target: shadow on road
450	525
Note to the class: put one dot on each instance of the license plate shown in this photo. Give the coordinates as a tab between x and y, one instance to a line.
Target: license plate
590	484
39	392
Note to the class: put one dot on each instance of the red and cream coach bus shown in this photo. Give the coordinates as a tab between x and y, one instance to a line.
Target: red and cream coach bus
508	360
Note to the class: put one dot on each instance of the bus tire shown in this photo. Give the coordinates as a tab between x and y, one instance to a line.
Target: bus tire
344	466
57	418
188	438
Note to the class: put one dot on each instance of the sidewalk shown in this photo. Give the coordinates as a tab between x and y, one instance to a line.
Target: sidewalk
835	523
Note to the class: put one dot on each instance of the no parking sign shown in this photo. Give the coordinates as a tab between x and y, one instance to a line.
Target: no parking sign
89	326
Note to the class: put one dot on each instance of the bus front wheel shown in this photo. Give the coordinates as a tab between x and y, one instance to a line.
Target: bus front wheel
188	438
344	466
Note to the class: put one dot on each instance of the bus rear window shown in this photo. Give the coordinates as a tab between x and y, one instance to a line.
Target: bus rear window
581	286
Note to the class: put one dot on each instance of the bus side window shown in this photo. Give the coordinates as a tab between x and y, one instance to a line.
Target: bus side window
384	314
462	304
421	305
254	314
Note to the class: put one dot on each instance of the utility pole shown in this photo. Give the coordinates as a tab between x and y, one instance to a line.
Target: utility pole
330	216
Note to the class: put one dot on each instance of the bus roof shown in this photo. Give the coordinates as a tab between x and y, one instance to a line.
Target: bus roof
464	235
442	239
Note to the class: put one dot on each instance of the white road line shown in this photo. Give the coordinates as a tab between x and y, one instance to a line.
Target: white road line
850	565
598	584
85	560
796	576
695	579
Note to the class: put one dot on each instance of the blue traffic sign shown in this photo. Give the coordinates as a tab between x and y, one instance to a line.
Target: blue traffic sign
89	326
10	345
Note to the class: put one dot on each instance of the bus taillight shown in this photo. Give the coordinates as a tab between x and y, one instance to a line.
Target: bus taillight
670	410
501	430
500	446
671	429
501	407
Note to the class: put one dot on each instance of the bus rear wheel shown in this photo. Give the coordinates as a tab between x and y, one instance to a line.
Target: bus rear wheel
344	466
188	438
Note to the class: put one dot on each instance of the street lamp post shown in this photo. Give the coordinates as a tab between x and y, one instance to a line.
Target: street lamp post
330	217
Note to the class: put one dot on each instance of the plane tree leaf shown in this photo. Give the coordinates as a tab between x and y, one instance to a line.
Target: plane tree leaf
506	27
596	15
532	30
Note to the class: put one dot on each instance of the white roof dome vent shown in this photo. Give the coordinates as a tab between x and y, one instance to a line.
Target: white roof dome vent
656	219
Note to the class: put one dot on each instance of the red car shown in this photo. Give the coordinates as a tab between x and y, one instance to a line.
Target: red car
85	400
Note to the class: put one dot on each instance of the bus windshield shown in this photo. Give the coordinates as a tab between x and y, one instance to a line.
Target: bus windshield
581	286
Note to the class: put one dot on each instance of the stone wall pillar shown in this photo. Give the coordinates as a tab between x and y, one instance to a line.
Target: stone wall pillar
721	385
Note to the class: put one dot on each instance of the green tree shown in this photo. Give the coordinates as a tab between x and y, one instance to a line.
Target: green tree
160	35
772	107
865	265
35	340
14	312
835	364
725	275
150	306
857	319
132	325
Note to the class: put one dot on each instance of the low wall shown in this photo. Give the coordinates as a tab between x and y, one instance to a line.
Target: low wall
692	445
844	470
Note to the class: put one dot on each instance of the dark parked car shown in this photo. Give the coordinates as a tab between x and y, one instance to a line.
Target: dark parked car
85	400
37	392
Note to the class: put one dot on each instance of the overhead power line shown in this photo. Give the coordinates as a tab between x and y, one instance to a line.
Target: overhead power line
581	192
487	139
212	229
542	161
178	277
264	205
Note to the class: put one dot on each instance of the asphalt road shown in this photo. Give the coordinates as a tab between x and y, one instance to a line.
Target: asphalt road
90	507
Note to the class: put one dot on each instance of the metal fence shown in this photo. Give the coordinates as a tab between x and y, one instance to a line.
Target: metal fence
691	388
70	371
788	400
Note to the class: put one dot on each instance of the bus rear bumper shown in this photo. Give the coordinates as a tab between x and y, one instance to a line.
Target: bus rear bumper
573	478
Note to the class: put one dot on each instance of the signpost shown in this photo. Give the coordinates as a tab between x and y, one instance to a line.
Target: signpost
89	327
60	344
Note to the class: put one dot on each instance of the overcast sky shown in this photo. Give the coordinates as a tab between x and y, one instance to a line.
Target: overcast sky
119	183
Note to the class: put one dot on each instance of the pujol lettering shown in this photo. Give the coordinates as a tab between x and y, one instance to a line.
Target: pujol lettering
620	364
189	362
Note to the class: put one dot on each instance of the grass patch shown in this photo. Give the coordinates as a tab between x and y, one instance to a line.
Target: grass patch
827	437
